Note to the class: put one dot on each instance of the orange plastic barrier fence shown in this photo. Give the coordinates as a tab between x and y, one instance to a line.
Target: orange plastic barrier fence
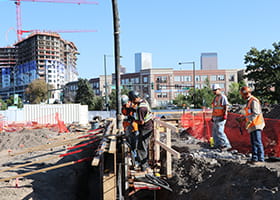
199	125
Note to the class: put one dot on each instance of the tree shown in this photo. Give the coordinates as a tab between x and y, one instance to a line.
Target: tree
263	67
37	91
98	103
112	97
180	100
85	95
10	102
233	93
3	105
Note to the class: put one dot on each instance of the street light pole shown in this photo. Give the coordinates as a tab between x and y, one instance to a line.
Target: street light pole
106	86
194	94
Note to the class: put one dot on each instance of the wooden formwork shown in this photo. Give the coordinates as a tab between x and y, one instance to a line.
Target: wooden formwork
105	160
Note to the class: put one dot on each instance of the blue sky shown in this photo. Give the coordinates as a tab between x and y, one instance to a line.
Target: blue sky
172	31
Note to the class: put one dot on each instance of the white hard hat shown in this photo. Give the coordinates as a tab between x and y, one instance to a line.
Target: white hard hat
216	86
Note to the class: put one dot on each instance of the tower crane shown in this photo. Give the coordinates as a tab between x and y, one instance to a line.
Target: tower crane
18	12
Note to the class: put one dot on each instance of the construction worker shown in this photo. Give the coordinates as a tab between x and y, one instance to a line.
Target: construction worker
219	117
130	126
254	124
144	119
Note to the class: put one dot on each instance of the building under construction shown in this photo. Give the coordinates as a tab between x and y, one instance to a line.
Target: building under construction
42	55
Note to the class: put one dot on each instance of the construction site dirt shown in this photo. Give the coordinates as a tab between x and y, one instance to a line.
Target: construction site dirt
201	173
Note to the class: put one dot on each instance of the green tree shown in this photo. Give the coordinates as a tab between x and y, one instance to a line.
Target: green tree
263	67
203	97
10	102
98	103
112	97
37	91
85	95
180	100
234	96
3	105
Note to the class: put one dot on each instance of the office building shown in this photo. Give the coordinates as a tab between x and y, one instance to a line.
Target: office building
209	61
143	61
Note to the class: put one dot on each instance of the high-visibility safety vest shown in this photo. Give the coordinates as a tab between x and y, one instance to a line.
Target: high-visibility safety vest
149	114
218	108
128	121
259	119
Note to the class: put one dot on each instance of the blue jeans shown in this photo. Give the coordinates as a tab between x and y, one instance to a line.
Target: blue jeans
219	136
257	146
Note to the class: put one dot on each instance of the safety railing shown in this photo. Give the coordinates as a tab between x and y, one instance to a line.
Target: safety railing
168	129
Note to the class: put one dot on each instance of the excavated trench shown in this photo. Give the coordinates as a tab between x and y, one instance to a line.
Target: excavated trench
206	174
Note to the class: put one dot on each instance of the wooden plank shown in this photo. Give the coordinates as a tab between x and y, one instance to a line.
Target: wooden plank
168	155
156	146
169	149
113	139
96	159
109	187
167	125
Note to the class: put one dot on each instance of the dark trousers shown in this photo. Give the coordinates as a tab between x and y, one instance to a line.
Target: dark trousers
143	147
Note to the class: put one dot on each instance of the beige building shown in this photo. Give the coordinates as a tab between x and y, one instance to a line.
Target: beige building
161	85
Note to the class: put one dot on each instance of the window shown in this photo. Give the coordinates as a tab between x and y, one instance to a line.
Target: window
213	78
187	78
231	77
204	77
177	78
145	79
197	78
221	77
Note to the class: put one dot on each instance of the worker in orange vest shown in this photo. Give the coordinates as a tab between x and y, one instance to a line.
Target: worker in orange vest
130	126
254	124
219	117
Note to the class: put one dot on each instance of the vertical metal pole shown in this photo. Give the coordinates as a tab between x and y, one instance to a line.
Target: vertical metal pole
117	61
121	174
106	89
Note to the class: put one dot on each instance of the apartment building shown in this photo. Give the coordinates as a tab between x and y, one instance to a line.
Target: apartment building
42	55
160	86
7	62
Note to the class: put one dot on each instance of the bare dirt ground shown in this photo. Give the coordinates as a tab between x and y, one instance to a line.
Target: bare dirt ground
201	173
205	174
69	182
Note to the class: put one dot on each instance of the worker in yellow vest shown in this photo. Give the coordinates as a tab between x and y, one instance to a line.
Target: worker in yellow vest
219	117
254	124
144	119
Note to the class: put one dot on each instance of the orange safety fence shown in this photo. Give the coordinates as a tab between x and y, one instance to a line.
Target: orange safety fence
18	126
199	125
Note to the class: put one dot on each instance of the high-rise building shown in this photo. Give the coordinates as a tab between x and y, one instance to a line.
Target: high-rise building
46	56
143	61
209	61
7	62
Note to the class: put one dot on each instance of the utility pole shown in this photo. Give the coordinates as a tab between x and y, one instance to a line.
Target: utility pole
117	61
106	84
121	178
194	94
